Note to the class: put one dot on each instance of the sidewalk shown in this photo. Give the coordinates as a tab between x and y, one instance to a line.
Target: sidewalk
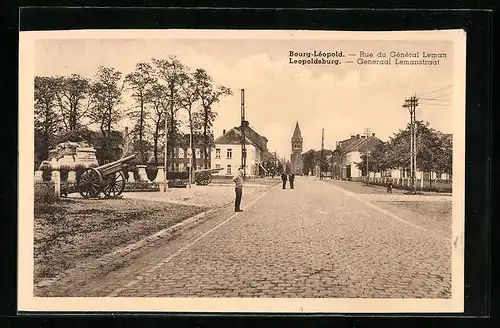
202	196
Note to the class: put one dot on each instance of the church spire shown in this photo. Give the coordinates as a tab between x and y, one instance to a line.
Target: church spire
296	133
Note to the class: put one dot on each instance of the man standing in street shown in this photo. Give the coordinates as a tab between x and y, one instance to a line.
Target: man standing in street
291	177
284	178
238	180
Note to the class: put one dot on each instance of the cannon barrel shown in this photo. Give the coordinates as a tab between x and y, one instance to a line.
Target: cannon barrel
116	163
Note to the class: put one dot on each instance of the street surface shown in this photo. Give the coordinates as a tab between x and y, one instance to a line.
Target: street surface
313	241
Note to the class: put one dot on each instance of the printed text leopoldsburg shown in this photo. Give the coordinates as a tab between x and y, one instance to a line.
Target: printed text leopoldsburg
338	57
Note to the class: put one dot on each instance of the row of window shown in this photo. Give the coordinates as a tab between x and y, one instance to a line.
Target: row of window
229	153
185	154
228	168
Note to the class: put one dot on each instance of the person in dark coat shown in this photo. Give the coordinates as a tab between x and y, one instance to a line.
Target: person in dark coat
284	178
291	178
238	188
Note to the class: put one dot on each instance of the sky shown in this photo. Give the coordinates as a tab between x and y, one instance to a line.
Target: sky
343	100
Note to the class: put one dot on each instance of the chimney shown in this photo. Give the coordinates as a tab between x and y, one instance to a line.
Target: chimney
357	136
224	132
373	134
362	137
353	136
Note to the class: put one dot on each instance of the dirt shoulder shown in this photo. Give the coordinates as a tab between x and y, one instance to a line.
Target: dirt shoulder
73	230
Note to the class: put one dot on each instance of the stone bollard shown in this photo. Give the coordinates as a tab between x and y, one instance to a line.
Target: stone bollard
38	176
56	178
131	177
142	173
72	176
160	176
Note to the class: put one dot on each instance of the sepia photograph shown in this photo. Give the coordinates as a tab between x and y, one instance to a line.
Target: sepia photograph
241	171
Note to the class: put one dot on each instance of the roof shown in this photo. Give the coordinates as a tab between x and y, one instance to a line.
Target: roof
296	133
357	144
183	140
258	140
231	137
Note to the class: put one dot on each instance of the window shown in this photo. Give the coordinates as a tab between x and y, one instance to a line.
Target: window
228	169
181	153
229	153
197	153
217	166
176	167
217	153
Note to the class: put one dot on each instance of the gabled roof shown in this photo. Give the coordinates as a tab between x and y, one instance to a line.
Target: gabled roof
258	140
357	144
232	137
296	133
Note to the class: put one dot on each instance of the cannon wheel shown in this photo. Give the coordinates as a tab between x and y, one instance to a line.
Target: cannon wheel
203	178
115	184
89	183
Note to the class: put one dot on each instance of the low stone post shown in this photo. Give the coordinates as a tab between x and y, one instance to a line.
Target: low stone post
160	175
142	173
131	177
38	176
56	178
72	176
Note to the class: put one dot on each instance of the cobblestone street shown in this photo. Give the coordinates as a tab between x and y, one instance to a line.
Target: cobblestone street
316	240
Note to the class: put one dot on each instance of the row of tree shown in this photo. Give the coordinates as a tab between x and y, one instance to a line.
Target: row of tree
434	152
160	89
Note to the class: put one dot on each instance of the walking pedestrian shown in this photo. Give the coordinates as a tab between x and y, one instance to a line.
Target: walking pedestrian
284	178
238	180
291	178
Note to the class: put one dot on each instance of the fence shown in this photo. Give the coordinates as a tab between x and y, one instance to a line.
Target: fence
438	185
62	181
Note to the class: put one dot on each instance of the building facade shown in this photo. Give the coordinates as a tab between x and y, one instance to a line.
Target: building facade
347	155
180	160
296	162
227	152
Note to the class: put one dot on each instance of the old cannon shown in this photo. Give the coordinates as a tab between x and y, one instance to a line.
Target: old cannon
107	178
204	177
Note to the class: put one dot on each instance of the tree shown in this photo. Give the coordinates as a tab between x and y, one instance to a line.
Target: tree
378	159
157	97
72	91
139	82
188	97
47	122
208	96
171	71
106	93
309	161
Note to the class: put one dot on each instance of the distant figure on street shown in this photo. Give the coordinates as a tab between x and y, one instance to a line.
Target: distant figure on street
389	188
291	177
284	178
238	188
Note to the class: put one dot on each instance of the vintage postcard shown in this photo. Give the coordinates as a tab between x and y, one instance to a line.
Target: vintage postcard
242	171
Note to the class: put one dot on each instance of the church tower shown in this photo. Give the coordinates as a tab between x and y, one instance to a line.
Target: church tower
296	156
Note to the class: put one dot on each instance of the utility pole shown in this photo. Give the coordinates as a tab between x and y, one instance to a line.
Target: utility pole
165	184
333	163
367	135
190	159
322	153
243	137
412	103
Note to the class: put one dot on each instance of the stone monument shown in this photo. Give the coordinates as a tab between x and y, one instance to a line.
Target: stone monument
71	154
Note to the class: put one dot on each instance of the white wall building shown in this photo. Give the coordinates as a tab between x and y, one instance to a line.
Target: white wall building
226	154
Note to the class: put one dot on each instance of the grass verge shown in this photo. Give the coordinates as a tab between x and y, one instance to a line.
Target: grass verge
72	230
